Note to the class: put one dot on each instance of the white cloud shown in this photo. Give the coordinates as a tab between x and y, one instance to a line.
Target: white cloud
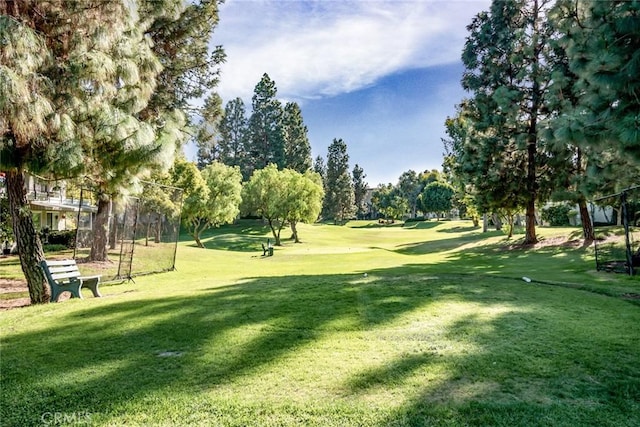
321	48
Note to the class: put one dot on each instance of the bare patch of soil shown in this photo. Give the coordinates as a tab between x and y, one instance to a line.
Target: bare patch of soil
11	286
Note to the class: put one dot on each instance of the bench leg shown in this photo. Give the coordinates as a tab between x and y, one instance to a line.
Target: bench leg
72	288
94	285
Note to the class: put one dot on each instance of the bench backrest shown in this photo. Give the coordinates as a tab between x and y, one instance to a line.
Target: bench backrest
60	271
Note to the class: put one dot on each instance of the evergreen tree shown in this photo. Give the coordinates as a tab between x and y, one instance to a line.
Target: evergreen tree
233	136
297	149
71	72
320	168
266	134
181	33
602	41
508	70
339	197
359	191
207	131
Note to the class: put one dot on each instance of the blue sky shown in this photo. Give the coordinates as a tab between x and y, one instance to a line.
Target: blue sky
381	75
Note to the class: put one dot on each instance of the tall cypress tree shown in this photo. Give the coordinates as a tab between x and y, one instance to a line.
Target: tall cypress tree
297	150
266	136
233	136
359	190
339	198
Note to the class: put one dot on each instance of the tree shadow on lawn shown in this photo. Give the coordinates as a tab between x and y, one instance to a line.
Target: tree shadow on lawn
236	243
433	246
109	355
244	227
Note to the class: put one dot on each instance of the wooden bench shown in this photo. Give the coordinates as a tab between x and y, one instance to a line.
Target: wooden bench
63	276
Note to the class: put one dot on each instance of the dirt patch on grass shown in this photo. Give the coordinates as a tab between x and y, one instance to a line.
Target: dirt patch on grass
10	286
561	241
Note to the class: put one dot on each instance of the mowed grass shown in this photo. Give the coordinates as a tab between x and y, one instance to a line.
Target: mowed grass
360	325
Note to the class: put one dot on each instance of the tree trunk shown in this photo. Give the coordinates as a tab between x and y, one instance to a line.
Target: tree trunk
497	221
113	232
100	230
148	230
158	229
294	230
29	245
511	223
585	219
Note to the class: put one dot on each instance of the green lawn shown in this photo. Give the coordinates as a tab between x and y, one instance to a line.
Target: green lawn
360	325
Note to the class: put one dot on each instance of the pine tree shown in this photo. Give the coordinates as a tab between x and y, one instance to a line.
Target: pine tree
208	131
359	190
233	136
339	197
266	136
508	72
70	71
181	33
602	43
297	150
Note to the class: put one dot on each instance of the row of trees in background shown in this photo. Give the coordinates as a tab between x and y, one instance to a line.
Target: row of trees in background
97	91
553	111
271	134
427	192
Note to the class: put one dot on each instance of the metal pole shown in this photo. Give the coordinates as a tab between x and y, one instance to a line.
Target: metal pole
625	223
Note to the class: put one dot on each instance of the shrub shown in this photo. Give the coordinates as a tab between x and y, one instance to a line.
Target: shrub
66	238
557	215
53	248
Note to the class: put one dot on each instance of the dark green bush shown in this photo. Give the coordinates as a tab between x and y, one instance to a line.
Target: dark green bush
557	215
66	238
54	248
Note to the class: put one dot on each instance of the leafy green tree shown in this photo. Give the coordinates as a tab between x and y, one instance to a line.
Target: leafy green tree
69	70
212	197
266	133
410	187
602	42
265	194
320	168
297	150
359	191
283	196
303	203
123	148
437	198
339	198
387	200
508	71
